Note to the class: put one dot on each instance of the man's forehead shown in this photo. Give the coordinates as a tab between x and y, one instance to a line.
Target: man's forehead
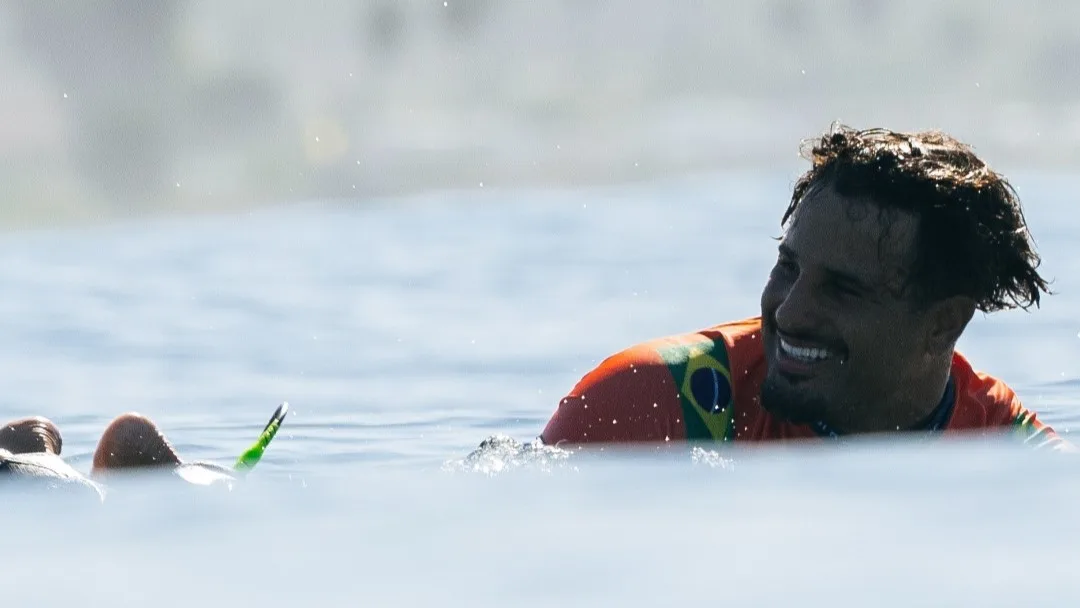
851	236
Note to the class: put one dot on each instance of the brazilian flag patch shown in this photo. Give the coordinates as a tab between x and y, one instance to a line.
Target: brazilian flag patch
702	372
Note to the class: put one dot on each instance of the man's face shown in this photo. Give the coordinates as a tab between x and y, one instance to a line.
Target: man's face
839	337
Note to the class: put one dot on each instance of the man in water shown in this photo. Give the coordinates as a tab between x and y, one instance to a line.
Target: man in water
890	243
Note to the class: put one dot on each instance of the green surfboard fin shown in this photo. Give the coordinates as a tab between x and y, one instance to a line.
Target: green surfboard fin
252	455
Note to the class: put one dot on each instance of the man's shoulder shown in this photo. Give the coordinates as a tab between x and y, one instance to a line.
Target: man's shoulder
677	386
679	349
676	352
985	401
979	388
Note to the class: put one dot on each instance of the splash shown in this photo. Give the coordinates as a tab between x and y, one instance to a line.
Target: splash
711	459
500	453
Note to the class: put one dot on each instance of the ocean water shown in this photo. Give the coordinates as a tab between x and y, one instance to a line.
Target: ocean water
406	332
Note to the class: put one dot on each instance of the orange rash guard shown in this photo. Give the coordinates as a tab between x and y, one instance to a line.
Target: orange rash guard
706	385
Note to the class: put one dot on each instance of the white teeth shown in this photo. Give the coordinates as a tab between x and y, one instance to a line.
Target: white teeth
804	354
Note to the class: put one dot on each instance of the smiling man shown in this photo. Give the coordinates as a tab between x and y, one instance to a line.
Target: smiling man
890	244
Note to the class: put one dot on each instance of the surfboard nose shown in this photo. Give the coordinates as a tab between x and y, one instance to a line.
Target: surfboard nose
132	441
42	470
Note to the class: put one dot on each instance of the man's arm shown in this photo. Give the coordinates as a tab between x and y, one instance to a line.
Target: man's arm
629	397
1036	433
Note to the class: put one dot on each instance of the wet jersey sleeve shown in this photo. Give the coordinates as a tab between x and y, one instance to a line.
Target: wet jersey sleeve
991	405
1034	432
630	397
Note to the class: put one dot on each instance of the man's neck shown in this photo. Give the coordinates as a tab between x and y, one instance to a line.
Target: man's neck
916	410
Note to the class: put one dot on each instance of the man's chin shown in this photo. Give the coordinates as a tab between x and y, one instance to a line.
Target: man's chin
792	415
785	400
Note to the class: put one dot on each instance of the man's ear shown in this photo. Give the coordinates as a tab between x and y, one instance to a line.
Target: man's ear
948	319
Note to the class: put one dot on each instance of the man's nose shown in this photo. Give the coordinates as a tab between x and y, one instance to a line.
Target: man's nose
799	310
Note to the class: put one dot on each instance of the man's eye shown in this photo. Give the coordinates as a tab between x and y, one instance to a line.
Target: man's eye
847	290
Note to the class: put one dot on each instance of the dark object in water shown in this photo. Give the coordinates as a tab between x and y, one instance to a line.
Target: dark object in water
131	443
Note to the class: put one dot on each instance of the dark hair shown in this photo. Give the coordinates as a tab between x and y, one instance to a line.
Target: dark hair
971	240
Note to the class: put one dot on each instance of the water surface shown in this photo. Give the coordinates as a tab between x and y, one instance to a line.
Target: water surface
405	332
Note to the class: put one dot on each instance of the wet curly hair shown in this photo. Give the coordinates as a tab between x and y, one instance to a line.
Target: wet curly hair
971	240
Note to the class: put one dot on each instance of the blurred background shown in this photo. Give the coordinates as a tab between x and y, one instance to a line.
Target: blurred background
112	109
